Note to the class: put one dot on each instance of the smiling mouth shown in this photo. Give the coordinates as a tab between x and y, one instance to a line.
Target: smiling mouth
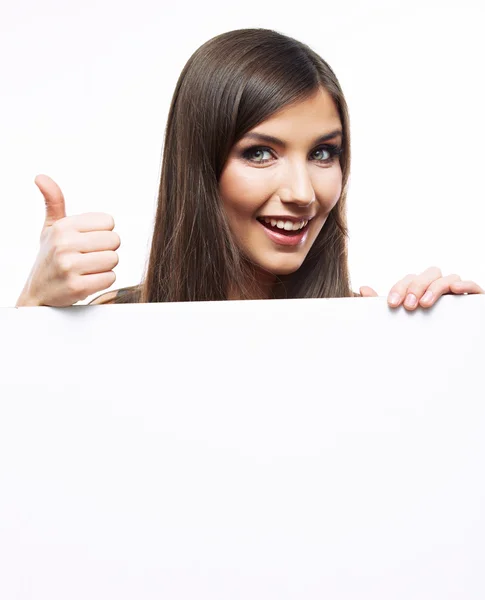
284	227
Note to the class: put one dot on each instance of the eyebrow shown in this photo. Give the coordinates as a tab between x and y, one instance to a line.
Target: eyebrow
274	140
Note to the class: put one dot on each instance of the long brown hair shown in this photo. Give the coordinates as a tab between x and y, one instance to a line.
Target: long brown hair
231	84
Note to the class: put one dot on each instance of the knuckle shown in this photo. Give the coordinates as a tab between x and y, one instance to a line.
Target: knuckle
433	272
417	285
60	249
65	264
73	286
400	287
416	289
404	284
60	242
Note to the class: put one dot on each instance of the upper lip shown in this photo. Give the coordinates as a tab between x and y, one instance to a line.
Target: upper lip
287	218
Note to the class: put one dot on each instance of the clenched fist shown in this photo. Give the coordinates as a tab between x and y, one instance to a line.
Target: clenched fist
76	256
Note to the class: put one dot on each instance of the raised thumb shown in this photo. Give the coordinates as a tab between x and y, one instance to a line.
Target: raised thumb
55	208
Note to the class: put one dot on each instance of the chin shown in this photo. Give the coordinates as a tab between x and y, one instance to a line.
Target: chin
282	267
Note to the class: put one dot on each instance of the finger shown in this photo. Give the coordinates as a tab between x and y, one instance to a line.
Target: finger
437	289
97	262
88	222
91	241
367	292
95	282
466	287
55	208
398	291
419	285
87	264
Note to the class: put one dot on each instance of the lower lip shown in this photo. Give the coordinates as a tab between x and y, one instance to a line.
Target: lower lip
298	237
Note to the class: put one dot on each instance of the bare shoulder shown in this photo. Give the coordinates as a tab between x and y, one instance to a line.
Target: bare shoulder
107	298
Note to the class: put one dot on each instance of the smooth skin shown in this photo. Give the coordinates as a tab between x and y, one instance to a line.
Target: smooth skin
296	178
424	289
279	169
77	254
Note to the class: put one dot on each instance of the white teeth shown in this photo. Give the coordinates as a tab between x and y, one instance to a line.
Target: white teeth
286	225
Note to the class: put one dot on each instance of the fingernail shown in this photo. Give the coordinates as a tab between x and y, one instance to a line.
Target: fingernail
427	297
411	300
394	298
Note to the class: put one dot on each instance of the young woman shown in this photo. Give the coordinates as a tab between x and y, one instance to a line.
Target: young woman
252	197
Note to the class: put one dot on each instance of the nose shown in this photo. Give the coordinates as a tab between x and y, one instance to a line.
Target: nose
297	187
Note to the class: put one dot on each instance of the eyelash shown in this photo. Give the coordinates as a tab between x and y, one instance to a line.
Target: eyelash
332	149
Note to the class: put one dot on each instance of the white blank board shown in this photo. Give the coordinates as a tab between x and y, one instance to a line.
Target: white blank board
316	449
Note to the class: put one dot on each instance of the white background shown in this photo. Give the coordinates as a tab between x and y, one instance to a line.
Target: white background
85	89
341	460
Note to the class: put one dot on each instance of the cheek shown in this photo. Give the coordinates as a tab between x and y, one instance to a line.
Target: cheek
242	191
328	188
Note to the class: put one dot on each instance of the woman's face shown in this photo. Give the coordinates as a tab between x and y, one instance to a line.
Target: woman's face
280	182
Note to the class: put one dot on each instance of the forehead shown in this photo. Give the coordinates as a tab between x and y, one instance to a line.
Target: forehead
316	113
